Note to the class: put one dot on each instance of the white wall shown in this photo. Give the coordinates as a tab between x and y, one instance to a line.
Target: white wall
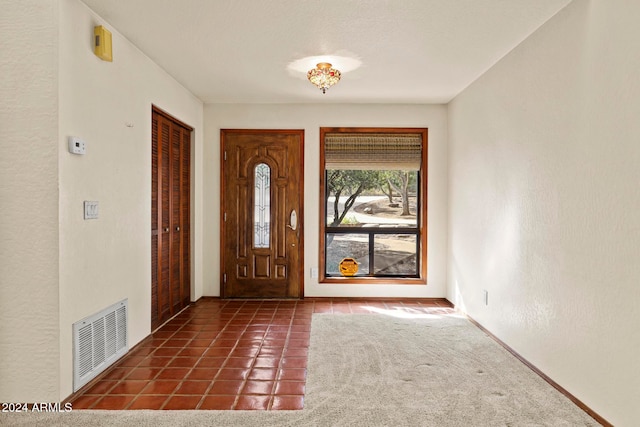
544	198
106	260
311	118
29	201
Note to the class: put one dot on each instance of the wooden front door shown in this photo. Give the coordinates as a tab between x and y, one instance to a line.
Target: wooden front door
262	239
170	217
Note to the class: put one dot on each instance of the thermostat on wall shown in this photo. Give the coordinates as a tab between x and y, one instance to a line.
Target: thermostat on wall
76	145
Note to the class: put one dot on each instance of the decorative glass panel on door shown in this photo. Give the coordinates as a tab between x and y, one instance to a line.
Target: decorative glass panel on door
262	206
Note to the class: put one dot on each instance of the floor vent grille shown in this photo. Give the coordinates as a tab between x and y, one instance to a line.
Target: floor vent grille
98	341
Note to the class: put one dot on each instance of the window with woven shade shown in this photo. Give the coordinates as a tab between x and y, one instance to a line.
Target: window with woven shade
386	151
374	205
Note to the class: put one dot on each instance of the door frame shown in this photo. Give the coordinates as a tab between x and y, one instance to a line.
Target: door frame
300	178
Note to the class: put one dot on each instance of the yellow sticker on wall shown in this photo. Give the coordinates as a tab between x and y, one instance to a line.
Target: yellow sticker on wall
348	267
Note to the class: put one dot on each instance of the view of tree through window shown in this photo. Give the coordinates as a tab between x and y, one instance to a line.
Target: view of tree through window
372	216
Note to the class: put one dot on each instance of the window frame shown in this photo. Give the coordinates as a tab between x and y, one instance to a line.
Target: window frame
421	214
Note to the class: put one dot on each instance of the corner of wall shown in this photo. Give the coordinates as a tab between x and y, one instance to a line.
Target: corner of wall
29	345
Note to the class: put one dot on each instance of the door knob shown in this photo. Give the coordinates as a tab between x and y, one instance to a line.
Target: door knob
293	220
178	228
166	230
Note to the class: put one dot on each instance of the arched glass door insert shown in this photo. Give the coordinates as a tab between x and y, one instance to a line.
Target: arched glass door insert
262	206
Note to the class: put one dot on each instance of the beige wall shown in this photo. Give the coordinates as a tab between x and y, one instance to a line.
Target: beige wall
544	200
311	118
108	104
57	268
29	349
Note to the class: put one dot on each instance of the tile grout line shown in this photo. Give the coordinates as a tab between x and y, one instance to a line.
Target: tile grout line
293	316
168	396
279	367
172	394
237	395
206	392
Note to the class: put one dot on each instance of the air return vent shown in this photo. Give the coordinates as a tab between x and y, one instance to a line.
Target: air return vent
98	341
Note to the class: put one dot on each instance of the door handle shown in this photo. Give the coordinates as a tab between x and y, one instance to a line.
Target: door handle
293	220
178	228
166	230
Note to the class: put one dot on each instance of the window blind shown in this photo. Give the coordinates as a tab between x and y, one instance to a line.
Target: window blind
372	151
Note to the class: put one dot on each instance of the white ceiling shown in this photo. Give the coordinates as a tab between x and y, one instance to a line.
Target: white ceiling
412	51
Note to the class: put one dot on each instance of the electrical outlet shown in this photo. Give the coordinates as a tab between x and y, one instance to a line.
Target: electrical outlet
314	272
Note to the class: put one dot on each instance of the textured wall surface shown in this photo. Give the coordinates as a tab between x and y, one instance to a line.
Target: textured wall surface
544	201
108	104
311	118
29	201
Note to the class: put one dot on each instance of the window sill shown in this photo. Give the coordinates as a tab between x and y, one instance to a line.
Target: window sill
373	281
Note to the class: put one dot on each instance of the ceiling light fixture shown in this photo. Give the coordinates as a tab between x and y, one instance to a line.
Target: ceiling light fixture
323	76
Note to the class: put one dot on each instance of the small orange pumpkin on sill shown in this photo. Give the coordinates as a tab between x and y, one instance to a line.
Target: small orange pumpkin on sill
348	267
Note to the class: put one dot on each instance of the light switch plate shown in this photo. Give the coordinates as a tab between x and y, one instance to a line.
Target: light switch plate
90	209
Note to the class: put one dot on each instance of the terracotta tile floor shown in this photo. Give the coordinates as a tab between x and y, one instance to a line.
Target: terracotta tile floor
227	354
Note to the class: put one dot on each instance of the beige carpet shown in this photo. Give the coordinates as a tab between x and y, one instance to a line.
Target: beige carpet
380	370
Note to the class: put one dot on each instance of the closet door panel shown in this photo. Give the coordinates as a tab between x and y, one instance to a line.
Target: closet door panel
170	225
176	223
154	222
165	239
185	212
